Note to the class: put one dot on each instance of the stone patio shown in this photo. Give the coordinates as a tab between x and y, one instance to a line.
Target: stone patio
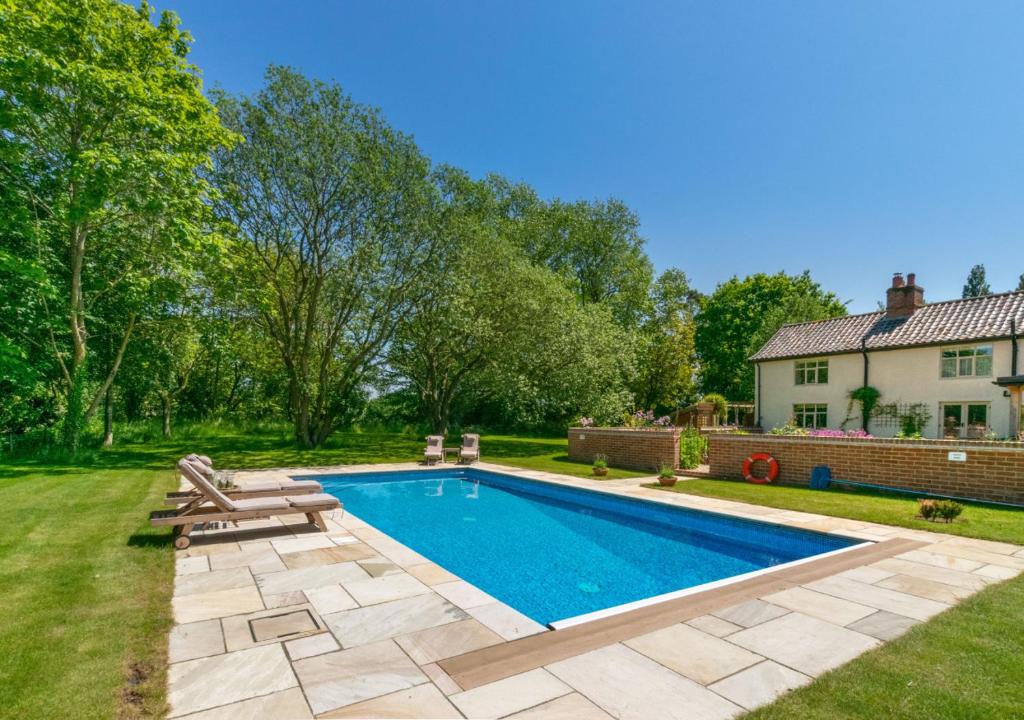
276	620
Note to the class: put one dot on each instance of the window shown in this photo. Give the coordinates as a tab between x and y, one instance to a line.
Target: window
975	361
814	415
964	420
812	372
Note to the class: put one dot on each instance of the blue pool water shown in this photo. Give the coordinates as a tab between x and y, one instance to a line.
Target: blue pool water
553	552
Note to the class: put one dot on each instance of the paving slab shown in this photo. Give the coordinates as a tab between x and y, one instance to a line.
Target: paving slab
629	686
223	679
290	704
204	606
943	561
881	598
866	574
824	607
695	654
461	594
504	620
385	620
445	641
190	565
379	567
751	613
510	695
714	626
309	577
213	581
330	599
259	557
884	625
328	555
311	645
420	701
568	707
431	574
195	640
966	580
996	572
345	677
804	643
270	626
371	590
760	684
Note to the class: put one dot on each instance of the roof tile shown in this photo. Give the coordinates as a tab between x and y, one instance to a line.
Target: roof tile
951	321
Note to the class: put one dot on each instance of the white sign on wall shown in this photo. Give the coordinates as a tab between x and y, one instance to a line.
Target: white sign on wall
958	457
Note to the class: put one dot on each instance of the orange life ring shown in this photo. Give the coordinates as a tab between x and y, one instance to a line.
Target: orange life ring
773	469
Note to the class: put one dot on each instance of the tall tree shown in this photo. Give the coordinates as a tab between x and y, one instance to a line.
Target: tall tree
1020	283
666	358
742	314
976	285
335	216
103	125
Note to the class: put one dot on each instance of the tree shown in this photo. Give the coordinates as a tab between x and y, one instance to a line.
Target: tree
596	247
104	126
741	315
976	285
1020	283
335	242
666	355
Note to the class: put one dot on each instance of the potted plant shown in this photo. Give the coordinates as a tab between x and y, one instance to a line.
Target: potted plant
600	465
666	476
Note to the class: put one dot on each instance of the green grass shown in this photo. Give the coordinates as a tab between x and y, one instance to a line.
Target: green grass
987	522
87	584
963	664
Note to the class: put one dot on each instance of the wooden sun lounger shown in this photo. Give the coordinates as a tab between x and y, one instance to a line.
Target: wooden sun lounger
224	508
255	489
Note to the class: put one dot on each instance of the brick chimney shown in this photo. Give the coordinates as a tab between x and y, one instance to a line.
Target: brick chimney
903	298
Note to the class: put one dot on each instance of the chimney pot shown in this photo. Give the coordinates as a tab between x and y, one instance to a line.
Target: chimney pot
903	299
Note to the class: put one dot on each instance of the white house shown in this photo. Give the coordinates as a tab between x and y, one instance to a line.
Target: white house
953	365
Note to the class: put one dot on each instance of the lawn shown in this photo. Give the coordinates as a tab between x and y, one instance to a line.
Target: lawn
87	583
987	522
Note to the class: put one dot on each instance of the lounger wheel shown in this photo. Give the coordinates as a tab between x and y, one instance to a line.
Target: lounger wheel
182	541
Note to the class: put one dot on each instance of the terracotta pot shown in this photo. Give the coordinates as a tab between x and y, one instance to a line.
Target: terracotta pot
600	471
667	481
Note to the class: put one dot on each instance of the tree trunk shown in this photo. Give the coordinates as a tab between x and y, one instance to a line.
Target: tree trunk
166	402
108	417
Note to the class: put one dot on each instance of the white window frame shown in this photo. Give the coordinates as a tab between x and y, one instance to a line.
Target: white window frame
808	369
964	414
971	359
800	416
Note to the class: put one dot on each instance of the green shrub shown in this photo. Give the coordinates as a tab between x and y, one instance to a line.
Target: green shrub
666	471
691	448
935	510
600	461
790	428
720	404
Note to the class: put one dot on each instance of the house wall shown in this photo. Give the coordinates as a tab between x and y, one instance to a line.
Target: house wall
989	471
912	375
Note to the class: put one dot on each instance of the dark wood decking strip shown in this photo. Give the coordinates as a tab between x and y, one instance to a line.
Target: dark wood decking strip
501	661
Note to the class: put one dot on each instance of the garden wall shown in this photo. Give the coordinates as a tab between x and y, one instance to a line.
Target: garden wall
626	447
992	471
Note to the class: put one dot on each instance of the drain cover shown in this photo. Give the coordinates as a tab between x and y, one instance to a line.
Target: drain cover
284	625
589	587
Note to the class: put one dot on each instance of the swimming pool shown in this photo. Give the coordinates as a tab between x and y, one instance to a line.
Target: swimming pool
554	552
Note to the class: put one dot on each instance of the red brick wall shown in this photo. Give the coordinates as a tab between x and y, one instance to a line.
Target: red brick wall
625	447
993	471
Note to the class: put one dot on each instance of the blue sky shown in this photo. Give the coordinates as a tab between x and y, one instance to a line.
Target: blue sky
852	139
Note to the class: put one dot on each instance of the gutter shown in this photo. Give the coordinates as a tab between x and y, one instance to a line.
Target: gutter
1013	344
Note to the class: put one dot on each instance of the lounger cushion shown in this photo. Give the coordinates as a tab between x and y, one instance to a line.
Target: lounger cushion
312	499
272	503
301	484
260	486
